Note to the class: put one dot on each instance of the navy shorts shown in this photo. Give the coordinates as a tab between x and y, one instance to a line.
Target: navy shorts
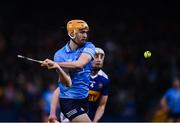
72	108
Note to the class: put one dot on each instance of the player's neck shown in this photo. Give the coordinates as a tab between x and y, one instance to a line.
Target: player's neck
94	72
72	45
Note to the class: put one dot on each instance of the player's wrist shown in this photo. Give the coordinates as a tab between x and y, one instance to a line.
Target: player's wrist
58	69
52	117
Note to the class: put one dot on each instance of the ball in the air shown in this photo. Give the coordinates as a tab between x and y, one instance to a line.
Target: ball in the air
147	54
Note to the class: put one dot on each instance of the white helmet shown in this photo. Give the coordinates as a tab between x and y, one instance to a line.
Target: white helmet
99	51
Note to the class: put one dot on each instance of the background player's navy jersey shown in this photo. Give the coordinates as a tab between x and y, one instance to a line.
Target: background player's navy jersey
80	77
99	85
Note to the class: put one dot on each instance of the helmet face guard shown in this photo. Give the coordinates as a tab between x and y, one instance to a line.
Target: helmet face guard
74	26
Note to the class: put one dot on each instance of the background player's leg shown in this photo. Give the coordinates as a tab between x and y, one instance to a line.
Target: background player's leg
82	118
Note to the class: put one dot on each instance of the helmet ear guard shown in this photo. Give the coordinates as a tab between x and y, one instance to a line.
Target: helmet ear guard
72	34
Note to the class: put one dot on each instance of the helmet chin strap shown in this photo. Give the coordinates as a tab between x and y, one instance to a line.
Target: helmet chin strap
75	42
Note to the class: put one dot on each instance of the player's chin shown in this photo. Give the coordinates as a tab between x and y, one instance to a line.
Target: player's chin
98	65
83	41
96	68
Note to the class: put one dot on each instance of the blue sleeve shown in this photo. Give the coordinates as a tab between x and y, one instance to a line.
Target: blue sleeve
106	84
58	57
89	49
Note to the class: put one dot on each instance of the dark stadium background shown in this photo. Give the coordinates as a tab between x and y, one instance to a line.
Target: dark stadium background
124	30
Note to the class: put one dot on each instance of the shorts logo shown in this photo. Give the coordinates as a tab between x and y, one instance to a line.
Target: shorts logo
82	109
72	112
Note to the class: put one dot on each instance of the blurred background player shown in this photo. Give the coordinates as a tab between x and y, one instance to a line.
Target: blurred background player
47	95
76	59
98	93
170	102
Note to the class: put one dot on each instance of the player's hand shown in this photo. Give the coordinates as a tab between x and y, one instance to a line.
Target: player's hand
52	119
50	64
43	63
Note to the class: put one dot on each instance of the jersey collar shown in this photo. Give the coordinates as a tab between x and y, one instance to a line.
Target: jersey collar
68	49
94	76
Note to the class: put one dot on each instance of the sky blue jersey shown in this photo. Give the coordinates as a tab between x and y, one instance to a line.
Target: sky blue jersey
80	77
173	99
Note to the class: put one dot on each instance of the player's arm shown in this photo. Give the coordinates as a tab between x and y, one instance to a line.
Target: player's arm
54	102
86	55
100	110
164	105
102	101
78	64
63	75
